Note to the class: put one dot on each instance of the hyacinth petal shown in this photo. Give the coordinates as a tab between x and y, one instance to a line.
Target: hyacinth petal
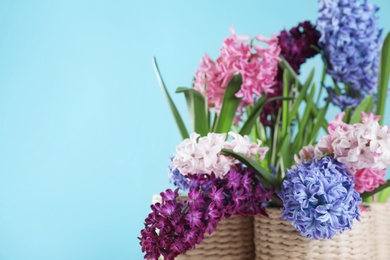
174	226
330	188
203	155
351	44
358	146
368	179
256	65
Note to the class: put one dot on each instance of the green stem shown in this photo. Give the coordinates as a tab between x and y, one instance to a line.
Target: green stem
380	188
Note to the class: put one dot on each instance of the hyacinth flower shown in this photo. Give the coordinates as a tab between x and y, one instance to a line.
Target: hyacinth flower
323	189
219	186
351	44
256	64
203	155
223	88
319	198
362	147
297	45
178	179
174	227
243	80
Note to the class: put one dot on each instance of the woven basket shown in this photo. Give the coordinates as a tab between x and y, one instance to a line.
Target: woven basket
231	240
381	229
277	239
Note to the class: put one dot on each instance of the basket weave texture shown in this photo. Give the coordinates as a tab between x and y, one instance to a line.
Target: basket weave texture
231	240
277	239
381	229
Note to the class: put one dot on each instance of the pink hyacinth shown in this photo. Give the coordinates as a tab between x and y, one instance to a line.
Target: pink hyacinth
256	64
368	179
307	153
338	122
202	155
364	148
360	145
370	118
242	144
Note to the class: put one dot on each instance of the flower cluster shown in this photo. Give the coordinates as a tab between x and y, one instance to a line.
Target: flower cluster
203	154
296	47
319	194
319	198
298	44
174	227
256	64
360	145
364	148
351	43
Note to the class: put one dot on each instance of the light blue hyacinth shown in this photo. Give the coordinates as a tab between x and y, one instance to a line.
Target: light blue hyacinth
178	179
319	198
351	44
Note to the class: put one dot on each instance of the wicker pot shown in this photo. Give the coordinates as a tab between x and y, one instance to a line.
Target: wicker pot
277	239
381	229
231	240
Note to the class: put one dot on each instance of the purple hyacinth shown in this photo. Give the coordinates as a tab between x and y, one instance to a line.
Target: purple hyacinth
343	101
178	179
319	198
351	43
163	226
243	192
174	227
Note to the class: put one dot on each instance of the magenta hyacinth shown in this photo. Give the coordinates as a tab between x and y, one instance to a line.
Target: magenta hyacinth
174	227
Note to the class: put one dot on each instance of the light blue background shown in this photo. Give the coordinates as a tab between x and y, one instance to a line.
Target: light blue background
85	132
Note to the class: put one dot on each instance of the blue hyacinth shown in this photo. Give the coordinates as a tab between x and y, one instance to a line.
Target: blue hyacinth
178	179
343	100
351	43
319	198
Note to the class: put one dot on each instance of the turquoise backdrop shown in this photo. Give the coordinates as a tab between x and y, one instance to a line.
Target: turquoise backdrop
85	132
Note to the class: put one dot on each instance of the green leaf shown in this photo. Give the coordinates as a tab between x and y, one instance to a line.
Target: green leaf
229	106
253	116
265	176
336	87
214	121
198	110
319	120
300	97
380	188
285	155
274	138
347	116
284	64
260	131
299	140
310	125
175	112
366	105
383	195
383	77
315	111
285	116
